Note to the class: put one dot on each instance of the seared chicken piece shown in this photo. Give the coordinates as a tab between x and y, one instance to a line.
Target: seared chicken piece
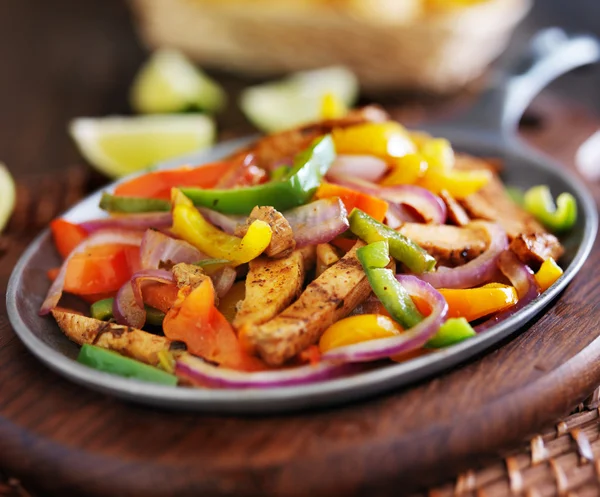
450	245
330	297
535	248
456	214
125	340
492	203
188	275
280	148
326	256
271	285
282	238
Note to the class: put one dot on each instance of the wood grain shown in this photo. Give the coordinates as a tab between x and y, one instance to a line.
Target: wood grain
60	439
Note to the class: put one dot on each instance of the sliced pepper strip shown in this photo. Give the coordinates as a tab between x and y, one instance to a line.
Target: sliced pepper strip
405	170
357	329
158	184
394	297
292	190
191	226
373	206
401	248
113	203
474	303
195	320
387	139
66	236
113	363
453	331
538	201
548	273
459	184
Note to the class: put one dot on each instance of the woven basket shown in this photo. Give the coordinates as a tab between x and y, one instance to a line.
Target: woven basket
438	52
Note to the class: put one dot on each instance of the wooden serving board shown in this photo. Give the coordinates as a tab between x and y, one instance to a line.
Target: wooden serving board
60	439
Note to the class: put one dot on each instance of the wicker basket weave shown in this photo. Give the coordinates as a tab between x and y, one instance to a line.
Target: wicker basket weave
439	52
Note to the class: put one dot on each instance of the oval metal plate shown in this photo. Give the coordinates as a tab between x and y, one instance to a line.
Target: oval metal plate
28	286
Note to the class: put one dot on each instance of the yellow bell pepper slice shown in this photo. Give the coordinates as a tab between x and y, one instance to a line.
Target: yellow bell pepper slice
387	139
191	226
405	170
438	153
548	273
475	303
357	329
459	184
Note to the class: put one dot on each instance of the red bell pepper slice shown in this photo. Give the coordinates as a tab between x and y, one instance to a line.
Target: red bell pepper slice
66	236
196	321
158	184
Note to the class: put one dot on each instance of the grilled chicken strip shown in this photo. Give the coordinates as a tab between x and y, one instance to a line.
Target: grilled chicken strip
529	239
128	341
275	149
330	297
188	275
271	285
282	238
450	245
456	214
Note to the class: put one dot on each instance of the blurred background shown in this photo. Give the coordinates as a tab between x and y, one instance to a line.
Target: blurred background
69	58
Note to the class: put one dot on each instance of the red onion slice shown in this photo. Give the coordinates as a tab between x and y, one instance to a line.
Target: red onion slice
367	167
522	279
223	280
411	339
99	238
476	272
204	374
318	222
225	222
142	222
128	306
427	205
157	247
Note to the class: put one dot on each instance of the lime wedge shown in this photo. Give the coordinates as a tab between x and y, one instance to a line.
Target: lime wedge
117	146
8	195
297	99
170	83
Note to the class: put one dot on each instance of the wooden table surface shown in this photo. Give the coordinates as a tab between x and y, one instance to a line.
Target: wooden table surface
69	58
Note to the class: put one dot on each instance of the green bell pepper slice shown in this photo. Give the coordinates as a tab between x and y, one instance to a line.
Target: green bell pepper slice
453	331
557	218
291	190
103	310
113	363
401	248
394	297
130	205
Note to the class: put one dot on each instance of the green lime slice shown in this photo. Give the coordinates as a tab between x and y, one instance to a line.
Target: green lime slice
297	99
117	146
168	83
8	196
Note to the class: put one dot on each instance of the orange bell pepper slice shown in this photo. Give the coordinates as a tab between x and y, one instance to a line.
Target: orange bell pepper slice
158	184
66	236
475	303
548	273
160	296
196	321
373	206
355	329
